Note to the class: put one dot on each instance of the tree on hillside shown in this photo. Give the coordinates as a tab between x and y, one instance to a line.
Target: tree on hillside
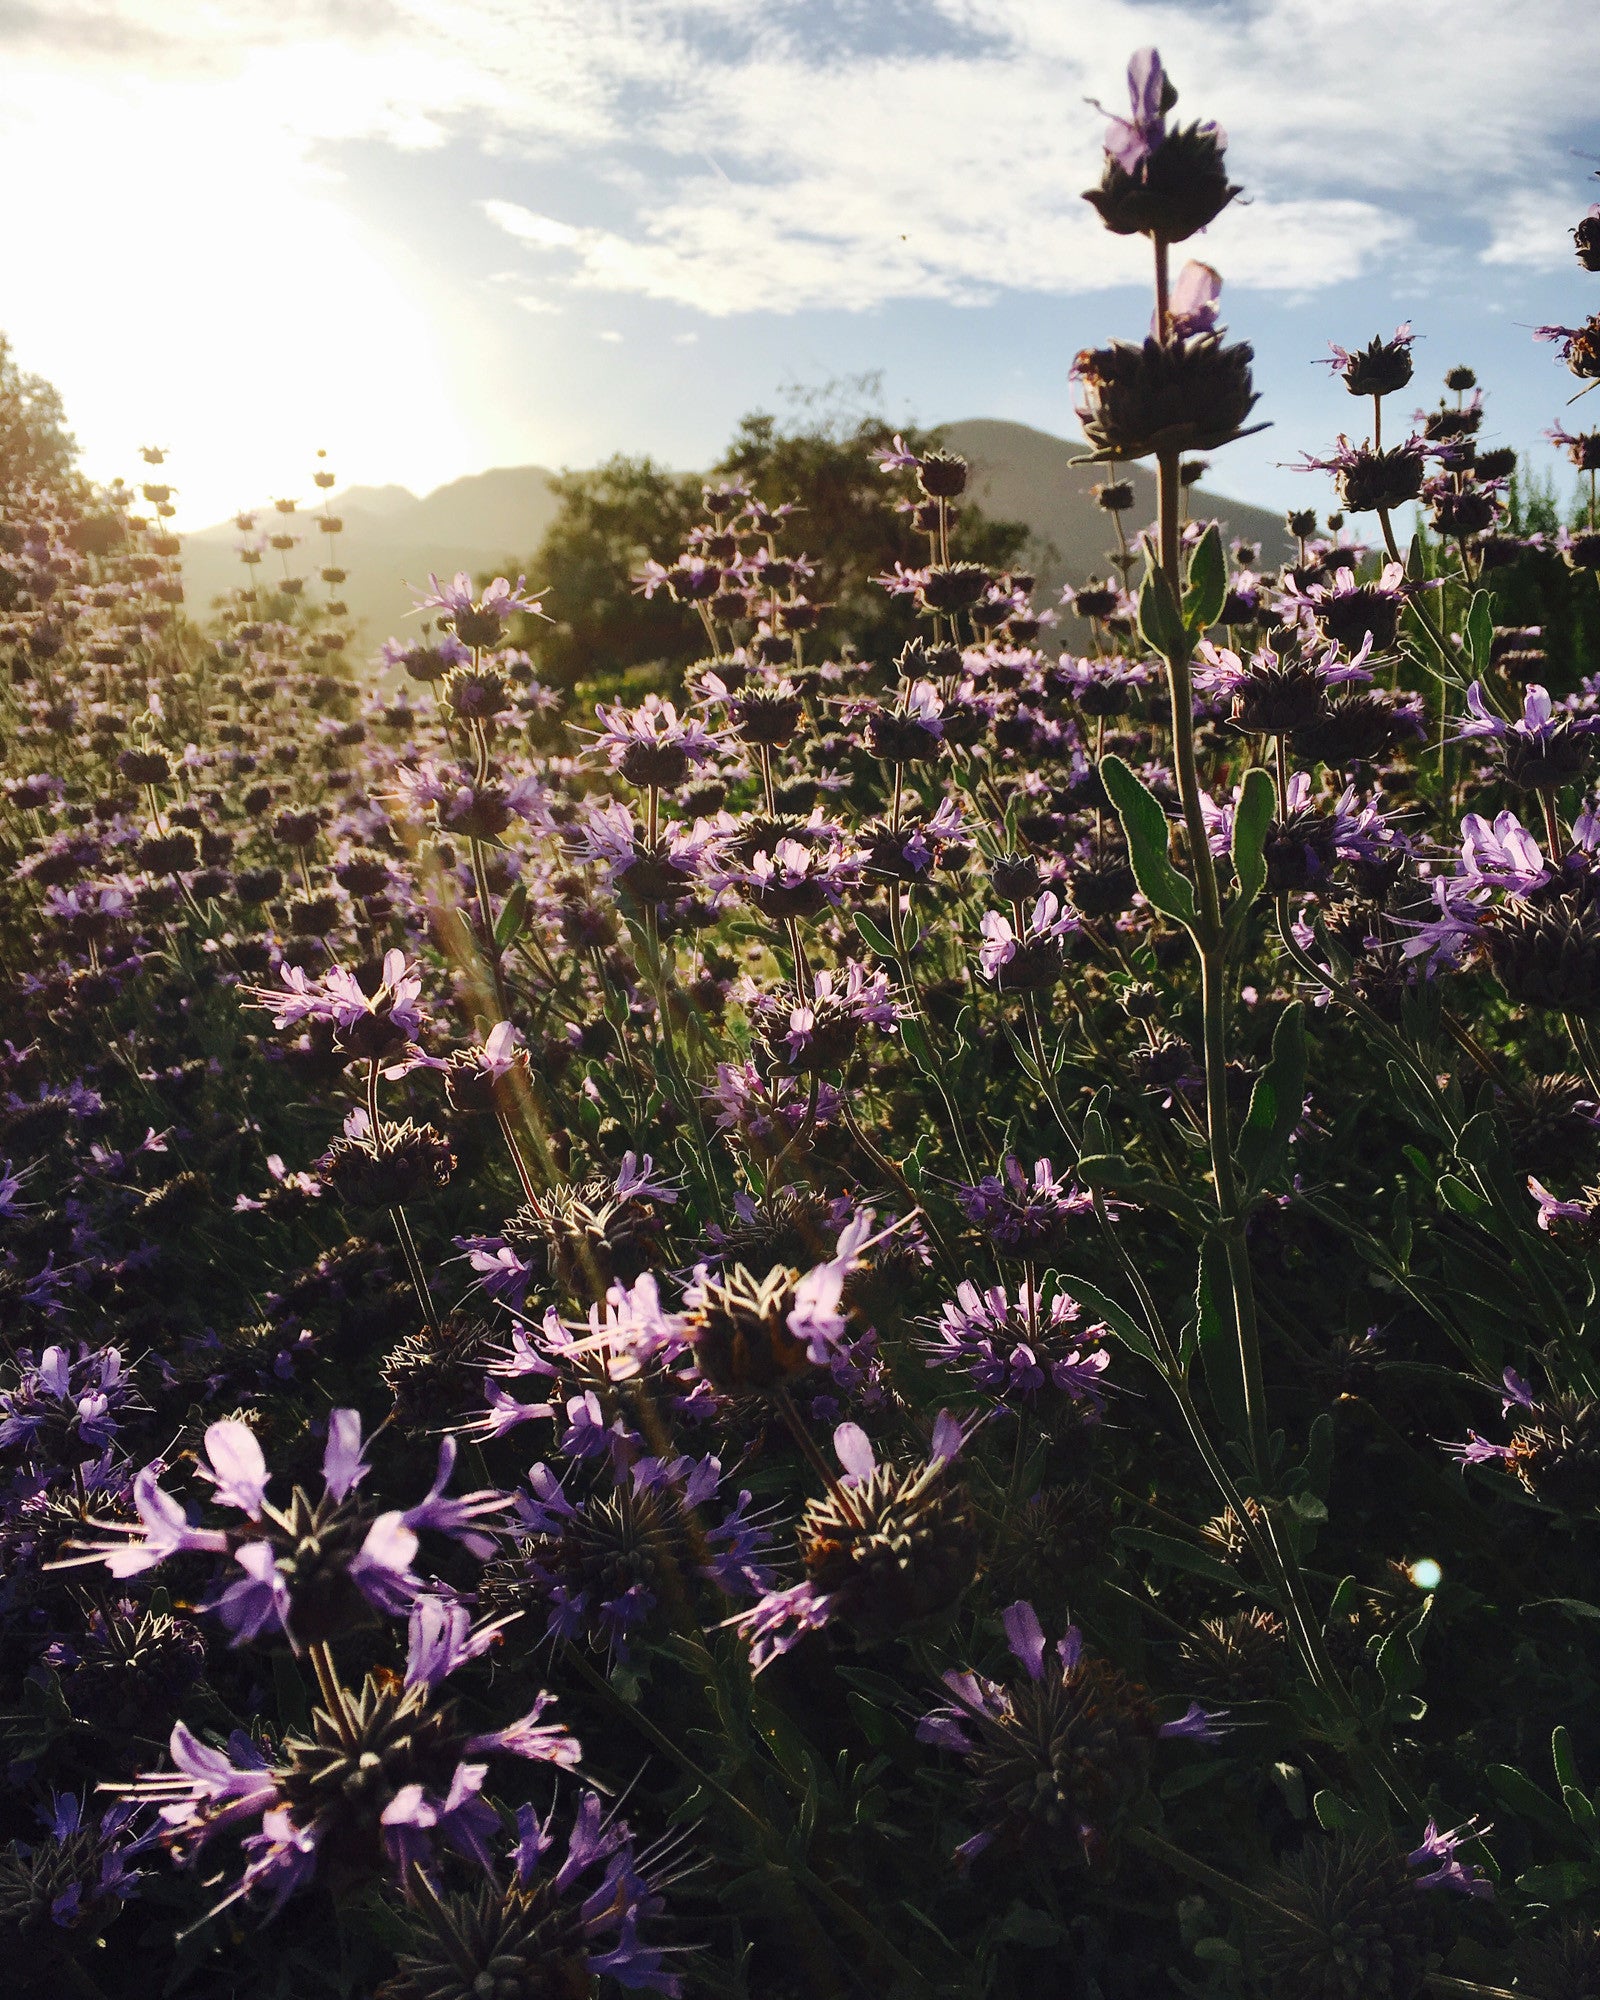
610	521
846	522
36	448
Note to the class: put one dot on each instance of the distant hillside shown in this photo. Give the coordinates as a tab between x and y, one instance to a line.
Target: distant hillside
390	542
1020	474
391	539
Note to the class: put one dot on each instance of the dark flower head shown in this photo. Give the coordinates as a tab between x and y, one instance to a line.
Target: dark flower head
430	661
476	693
952	587
550	1932
1379	368
1544	748
1544	945
1581	551
589	1234
1025	1214
1031	960
1157	182
1578	346
1059	1754
169	853
1583	449
756	1335
76	1879
1014	1350
819	1031
891	1548
63	1409
396	1165
1360	725
942	475
1370	480
1102	882
145	767
478	622
1349	1921
763	715
1190	395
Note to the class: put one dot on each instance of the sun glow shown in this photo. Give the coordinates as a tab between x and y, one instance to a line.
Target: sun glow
214	294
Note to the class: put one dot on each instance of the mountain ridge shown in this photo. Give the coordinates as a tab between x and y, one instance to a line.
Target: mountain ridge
393	539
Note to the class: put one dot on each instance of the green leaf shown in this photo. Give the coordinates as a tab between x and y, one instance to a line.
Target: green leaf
1107	1170
1581	1812
1276	1101
1218	1951
1397	1664
1480	631
1207	589
1161	623
874	938
1575	1607
1455	1194
1333	1815
1145	826
1121	1323
1402	1230
1561	1756
1251	818
1319	1454
1182	1555
1032	1929
915	1037
1096	1129
1214	1325
1524	1796
1416	561
1556	1882
509	922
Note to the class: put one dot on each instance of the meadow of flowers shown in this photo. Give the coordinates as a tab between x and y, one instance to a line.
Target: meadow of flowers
913	1325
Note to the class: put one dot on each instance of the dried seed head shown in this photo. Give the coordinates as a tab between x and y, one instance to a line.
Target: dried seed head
1239	1657
1545	948
896	1548
1178	187
404	1161
1191	395
1555	1452
740	1334
1352	1925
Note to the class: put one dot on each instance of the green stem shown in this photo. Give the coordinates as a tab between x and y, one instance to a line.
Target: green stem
1161	1849
1210	940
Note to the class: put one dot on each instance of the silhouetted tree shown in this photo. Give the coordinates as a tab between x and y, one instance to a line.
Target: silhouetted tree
611	520
35	445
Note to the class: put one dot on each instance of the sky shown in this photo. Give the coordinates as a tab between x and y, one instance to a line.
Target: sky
431	236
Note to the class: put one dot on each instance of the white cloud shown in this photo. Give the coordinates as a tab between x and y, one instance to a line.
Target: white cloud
541	232
1532	228
848	181
721	158
612	335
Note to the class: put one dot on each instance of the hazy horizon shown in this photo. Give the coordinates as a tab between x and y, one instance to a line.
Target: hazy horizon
436	243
